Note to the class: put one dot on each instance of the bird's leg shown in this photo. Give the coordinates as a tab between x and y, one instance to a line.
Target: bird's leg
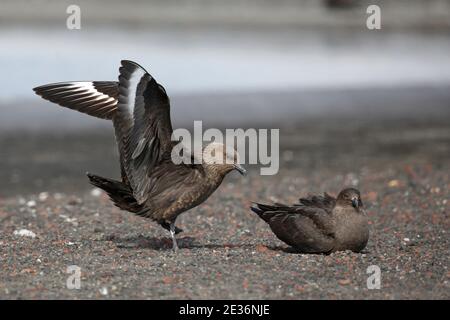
172	233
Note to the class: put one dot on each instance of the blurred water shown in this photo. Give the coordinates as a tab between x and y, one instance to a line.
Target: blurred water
201	61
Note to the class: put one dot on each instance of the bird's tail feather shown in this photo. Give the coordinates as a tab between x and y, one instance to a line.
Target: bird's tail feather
120	193
264	211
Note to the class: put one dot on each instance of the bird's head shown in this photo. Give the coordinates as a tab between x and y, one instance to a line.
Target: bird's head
350	197
222	158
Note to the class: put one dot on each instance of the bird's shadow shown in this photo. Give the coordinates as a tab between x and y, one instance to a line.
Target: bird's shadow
165	243
154	243
187	242
292	250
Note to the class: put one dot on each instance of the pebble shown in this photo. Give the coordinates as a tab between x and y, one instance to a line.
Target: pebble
96	192
68	219
394	183
31	204
104	291
43	196
25	233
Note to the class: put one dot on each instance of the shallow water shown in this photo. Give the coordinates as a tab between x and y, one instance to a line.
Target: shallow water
201	61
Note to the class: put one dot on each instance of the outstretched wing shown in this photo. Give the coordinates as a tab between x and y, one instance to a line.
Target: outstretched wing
95	98
142	124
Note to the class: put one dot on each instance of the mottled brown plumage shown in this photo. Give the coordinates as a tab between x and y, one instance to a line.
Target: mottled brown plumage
152	185
319	224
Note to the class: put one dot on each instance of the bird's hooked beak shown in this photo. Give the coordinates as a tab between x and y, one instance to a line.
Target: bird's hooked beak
240	168
355	203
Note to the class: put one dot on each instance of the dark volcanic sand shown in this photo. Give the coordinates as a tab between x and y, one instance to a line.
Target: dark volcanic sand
226	251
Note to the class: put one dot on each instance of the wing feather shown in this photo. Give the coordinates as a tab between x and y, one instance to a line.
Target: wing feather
308	226
143	126
325	202
95	98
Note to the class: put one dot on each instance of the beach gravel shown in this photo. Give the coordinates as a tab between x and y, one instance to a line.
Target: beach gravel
227	252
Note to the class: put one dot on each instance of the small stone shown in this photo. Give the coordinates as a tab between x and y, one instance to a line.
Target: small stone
344	282
261	248
394	183
43	196
435	190
31	204
104	291
74	201
25	233
68	219
96	192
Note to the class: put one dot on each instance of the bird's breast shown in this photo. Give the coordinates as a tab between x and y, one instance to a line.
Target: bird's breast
352	232
192	197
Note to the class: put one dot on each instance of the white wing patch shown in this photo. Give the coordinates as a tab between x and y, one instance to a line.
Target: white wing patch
133	82
77	87
88	87
81	96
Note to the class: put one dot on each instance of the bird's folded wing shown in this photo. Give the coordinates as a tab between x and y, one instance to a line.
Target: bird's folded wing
321	219
303	227
325	202
142	124
95	98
